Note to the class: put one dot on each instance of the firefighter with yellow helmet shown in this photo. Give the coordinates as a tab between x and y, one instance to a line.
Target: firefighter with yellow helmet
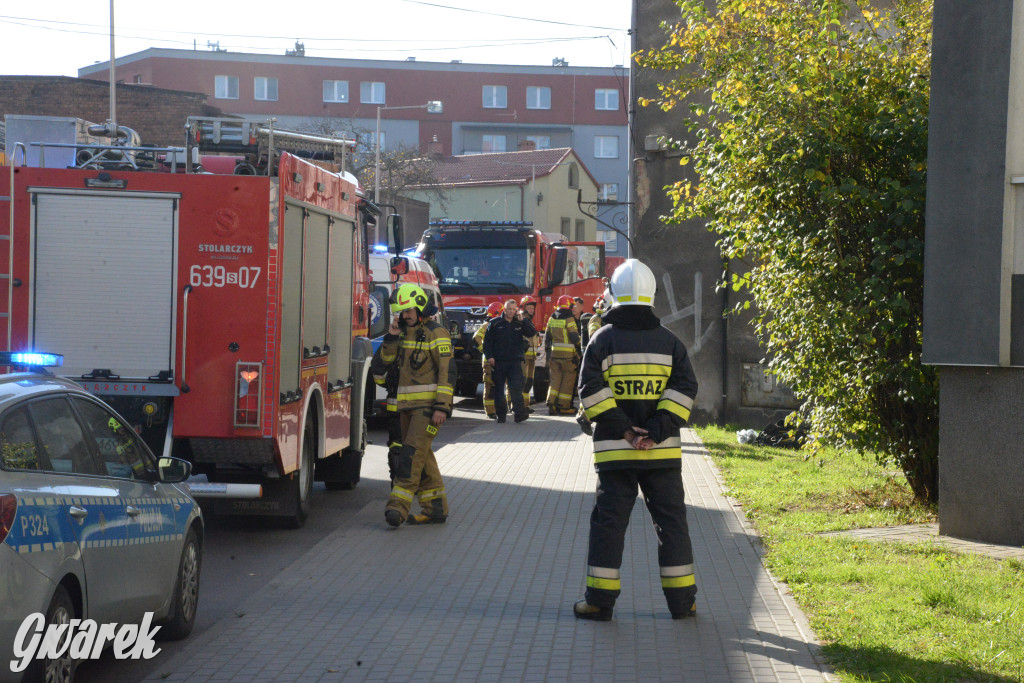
493	311
638	386
528	306
561	344
422	349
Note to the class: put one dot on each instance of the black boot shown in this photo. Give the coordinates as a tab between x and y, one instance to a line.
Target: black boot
584	610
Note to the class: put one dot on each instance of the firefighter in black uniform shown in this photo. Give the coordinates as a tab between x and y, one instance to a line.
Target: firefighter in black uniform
637	384
504	351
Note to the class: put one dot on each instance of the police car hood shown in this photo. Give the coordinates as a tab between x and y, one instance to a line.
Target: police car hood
632	317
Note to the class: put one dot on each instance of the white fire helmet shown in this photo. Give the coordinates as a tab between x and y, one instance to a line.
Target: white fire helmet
632	284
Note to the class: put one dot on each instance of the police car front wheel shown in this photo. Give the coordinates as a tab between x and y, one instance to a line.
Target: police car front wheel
182	616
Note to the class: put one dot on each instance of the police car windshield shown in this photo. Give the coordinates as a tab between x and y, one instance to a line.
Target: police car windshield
485	269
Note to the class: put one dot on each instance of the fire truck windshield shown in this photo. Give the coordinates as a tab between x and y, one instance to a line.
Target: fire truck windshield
482	262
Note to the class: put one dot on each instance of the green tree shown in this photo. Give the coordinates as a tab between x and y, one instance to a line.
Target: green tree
808	121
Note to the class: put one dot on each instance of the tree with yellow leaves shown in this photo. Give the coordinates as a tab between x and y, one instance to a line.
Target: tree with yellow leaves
810	130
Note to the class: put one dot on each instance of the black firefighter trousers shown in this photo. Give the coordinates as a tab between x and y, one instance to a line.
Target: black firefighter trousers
616	493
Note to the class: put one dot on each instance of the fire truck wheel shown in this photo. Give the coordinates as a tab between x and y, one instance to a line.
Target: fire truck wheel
182	616
302	483
351	464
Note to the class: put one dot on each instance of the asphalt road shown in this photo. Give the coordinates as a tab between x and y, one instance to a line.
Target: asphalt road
241	554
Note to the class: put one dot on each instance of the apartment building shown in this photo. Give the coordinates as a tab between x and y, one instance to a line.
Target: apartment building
485	108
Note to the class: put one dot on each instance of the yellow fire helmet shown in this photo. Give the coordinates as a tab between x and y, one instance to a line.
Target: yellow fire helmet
409	296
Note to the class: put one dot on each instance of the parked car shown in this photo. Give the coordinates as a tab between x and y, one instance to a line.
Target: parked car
92	525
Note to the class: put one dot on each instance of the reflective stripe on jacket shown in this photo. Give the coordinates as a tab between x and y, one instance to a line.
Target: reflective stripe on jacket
563	337
426	374
636	374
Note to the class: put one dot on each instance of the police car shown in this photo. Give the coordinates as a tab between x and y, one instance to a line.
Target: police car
92	525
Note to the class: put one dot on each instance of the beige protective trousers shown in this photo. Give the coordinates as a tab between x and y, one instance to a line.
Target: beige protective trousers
417	473
562	375
488	389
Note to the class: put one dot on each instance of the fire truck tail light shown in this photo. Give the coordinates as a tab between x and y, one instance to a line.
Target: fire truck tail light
8	507
248	394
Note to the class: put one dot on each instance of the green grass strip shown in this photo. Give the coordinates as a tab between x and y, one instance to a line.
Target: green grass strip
884	611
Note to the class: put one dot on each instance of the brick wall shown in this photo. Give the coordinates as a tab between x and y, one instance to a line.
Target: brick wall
157	115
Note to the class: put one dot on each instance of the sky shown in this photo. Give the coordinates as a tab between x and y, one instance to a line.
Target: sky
57	37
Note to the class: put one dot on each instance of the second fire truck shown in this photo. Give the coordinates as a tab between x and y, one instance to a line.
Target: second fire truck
478	262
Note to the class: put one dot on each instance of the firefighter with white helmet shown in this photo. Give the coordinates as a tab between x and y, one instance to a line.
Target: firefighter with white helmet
561	344
638	386
426	375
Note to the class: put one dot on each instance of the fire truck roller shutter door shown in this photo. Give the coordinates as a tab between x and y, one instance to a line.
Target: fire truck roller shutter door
73	235
291	298
342	276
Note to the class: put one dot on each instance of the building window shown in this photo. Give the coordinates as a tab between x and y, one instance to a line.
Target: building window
492	143
610	239
574	176
540	141
565	228
335	91
137	79
371	92
609	192
264	88
495	97
225	87
581	230
606	99
606	146
538	97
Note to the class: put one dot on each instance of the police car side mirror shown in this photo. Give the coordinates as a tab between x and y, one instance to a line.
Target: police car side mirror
173	470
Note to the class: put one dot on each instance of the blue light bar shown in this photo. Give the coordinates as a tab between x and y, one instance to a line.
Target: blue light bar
31	358
480	224
380	247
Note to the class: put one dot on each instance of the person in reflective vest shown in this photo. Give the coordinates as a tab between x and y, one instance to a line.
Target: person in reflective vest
528	305
638	386
493	311
422	349
561	344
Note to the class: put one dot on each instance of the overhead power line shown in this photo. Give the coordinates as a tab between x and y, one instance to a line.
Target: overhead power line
509	16
407	45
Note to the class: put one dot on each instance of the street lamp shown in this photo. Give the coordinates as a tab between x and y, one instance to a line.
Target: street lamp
432	107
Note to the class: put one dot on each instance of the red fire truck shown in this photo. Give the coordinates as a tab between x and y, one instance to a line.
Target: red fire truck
225	316
478	262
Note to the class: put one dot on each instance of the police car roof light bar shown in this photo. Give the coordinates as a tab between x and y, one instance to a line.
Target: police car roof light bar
31	359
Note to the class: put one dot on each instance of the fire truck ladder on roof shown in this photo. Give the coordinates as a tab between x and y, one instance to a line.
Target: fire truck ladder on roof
9	237
258	141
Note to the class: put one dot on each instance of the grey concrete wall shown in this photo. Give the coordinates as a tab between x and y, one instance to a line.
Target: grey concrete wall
981	454
684	257
969	216
966	181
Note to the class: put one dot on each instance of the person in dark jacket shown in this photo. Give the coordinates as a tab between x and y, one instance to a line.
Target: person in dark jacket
638	386
503	350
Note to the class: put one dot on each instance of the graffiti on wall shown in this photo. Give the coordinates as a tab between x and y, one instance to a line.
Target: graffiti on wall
700	336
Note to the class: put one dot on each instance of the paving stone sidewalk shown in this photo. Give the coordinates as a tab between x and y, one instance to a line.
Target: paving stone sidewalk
488	595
